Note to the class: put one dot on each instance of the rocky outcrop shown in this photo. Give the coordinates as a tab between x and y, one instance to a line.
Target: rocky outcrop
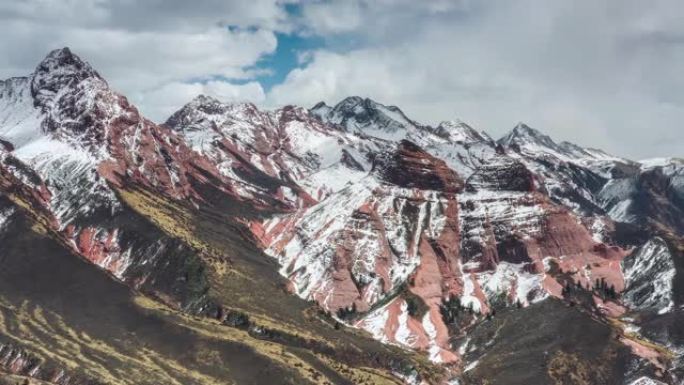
650	196
411	167
16	360
649	277
508	176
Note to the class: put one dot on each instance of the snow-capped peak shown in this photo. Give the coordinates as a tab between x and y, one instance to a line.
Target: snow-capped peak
320	110
459	131
523	135
63	99
661	162
366	116
351	102
532	142
205	112
202	99
60	69
65	59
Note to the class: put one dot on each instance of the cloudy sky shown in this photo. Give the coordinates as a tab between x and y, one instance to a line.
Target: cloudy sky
607	73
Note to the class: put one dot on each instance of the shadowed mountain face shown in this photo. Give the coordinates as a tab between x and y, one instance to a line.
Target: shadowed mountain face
338	245
59	311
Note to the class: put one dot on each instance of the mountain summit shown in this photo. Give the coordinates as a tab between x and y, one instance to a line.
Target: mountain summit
523	135
364	115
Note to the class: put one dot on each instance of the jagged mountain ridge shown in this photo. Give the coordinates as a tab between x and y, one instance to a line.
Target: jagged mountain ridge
362	207
132	198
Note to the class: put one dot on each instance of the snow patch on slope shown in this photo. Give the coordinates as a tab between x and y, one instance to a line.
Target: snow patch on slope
5	214
508	276
649	274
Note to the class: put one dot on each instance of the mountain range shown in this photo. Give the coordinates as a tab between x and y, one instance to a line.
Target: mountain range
344	244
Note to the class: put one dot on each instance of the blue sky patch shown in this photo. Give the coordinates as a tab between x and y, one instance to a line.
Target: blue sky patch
285	58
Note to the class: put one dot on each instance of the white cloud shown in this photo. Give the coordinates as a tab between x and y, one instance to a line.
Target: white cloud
333	17
605	74
144	49
602	73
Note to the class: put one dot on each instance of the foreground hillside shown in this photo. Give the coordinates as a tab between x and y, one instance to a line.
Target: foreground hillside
343	244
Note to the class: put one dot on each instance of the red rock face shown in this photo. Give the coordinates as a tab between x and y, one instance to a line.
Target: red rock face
393	236
499	236
567	241
411	167
532	231
444	253
101	247
147	154
506	176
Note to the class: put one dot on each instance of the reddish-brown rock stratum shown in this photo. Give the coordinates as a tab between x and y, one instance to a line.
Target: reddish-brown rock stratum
412	167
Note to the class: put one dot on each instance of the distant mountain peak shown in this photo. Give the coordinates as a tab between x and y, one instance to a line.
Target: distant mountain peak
355	107
523	135
320	105
535	143
320	110
203	99
358	104
453	122
351	100
459	131
522	129
365	115
205	107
